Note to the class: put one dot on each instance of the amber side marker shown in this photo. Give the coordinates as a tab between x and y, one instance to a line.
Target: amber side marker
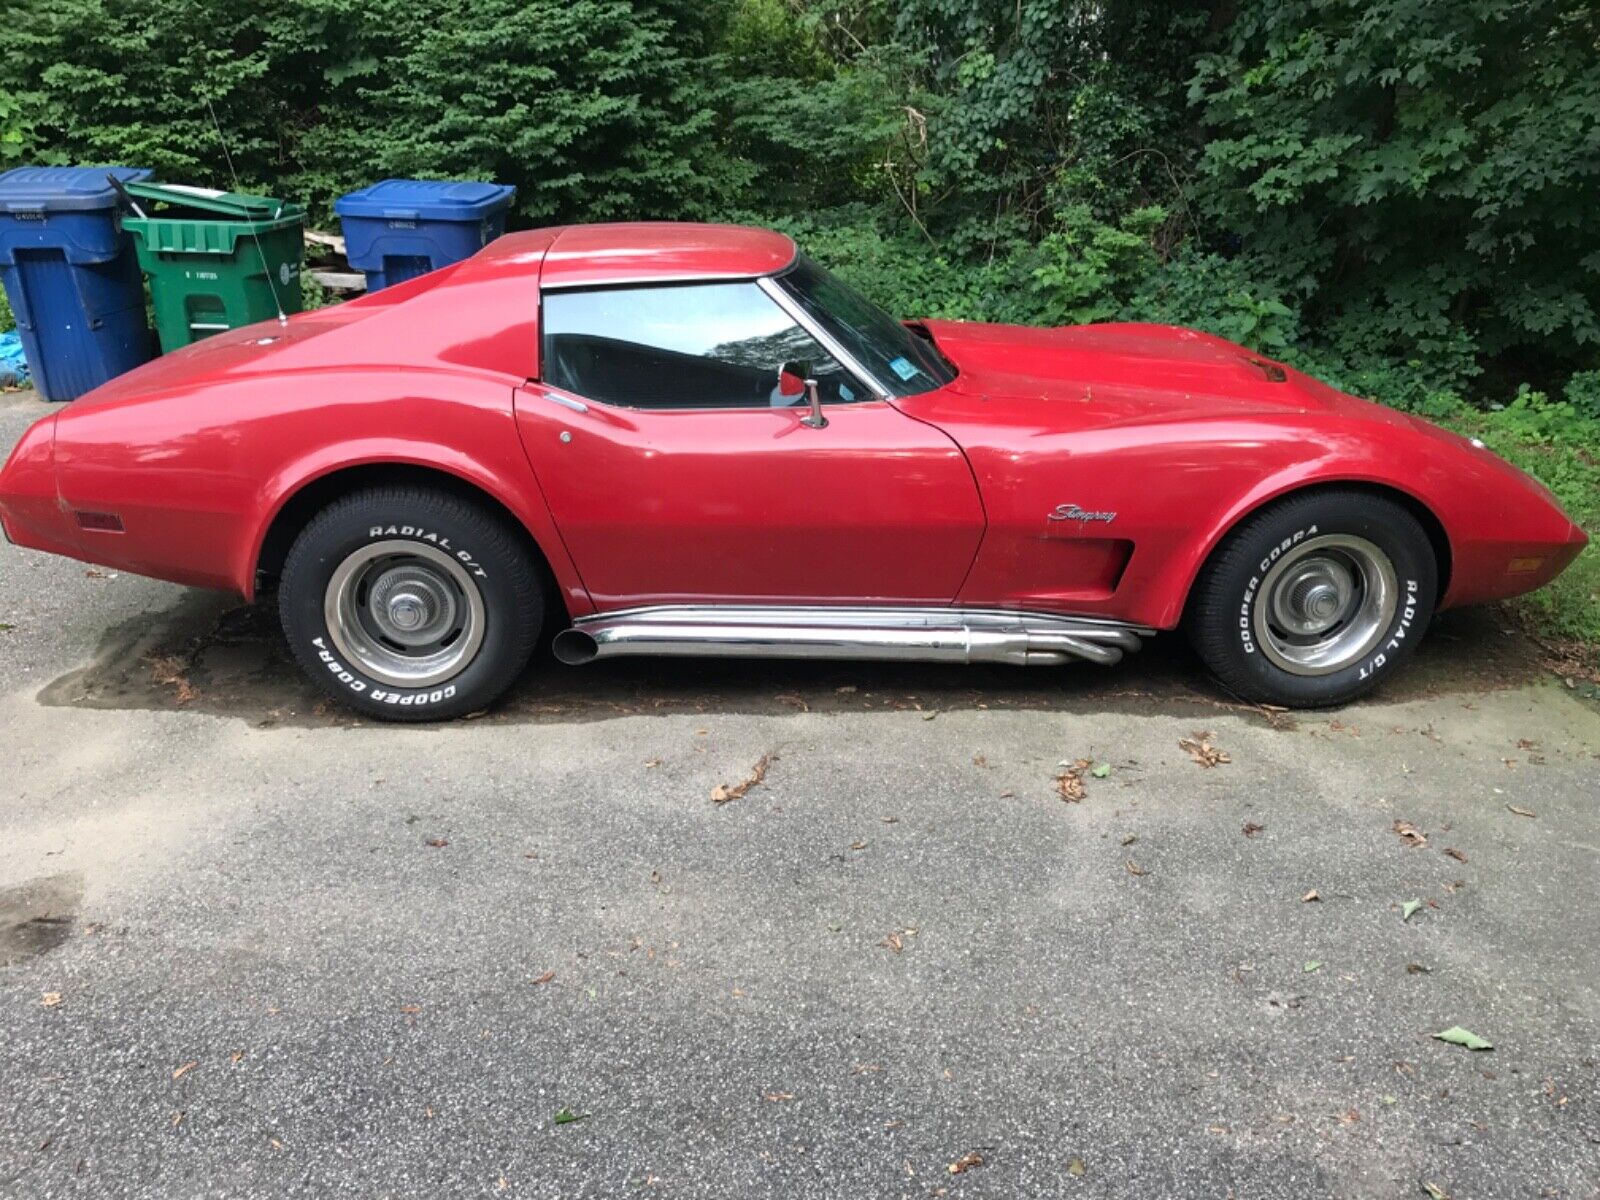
1521	566
100	522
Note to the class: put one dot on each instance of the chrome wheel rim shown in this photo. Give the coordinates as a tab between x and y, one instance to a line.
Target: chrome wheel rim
1325	604
405	613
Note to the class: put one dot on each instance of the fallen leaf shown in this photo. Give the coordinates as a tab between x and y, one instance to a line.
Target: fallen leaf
1312	966
1418	969
893	942
1129	839
545	978
966	1162
1458	1036
928	716
652	762
1100	772
1522	812
170	670
411	1010
177	1118
1435	1191
438	843
1075	1167
777	1097
565	1116
1410	834
1199	748
1134	868
50	999
1455	854
1409	907
724	793
858	845
1069	785
979	760
236	1057
184	1070
1251	829
1310	896
1007	794
275	1143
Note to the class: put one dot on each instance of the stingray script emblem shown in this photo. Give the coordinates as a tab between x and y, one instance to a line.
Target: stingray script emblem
1071	512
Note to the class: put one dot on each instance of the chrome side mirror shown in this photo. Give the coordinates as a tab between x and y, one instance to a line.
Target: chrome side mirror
814	419
792	377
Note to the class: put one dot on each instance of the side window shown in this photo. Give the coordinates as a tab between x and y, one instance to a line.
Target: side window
714	345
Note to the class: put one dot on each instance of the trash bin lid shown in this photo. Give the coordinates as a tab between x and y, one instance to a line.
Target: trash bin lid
63	189
224	204
426	200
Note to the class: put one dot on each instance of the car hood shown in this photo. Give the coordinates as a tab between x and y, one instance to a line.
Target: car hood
1111	374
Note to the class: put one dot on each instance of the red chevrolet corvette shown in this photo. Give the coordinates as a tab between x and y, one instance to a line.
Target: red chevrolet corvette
693	440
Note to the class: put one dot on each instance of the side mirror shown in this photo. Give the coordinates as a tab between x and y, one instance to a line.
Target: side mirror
793	379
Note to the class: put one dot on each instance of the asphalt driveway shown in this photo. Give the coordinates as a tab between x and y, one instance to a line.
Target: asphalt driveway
253	946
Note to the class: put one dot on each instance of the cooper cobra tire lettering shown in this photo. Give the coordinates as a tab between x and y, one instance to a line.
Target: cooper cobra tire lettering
1246	636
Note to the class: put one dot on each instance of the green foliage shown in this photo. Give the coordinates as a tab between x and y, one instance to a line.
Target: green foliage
595	109
1583	393
1426	168
1090	267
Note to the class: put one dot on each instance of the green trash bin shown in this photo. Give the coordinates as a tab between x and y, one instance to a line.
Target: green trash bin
215	260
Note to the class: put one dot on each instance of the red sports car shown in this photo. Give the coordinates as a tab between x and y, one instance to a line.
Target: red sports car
693	440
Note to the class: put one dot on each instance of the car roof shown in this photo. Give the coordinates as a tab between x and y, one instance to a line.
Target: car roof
661	251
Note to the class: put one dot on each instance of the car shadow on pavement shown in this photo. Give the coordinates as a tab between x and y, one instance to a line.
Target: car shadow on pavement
210	654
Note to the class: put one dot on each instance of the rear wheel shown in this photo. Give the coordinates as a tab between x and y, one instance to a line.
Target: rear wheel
1314	600
411	604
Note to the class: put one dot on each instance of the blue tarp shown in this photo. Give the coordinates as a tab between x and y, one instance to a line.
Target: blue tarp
13	367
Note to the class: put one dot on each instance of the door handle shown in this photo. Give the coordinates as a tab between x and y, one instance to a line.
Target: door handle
565	401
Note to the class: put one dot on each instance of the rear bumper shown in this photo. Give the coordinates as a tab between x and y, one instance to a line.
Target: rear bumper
31	512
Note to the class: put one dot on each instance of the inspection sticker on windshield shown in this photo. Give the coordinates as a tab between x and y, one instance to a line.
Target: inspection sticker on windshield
902	367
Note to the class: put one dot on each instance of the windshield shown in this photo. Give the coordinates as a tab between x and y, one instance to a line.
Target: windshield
898	359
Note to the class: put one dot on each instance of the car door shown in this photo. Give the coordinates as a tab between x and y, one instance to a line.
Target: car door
678	469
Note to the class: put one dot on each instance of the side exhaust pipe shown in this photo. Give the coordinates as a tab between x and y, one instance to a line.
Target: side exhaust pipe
884	634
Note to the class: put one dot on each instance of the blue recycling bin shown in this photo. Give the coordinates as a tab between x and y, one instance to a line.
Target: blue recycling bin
71	276
402	228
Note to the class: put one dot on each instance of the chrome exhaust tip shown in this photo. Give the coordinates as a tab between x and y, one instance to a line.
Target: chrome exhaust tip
574	647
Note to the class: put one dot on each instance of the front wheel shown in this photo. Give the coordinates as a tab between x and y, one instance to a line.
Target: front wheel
1314	600
411	604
